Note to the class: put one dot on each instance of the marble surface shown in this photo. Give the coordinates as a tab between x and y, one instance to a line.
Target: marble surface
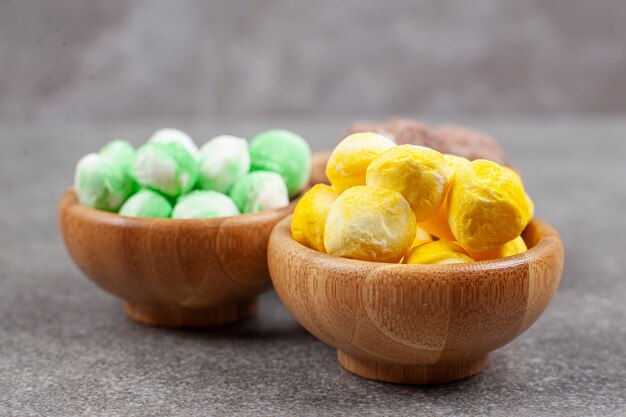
67	349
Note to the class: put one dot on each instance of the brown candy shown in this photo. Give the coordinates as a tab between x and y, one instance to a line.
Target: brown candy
449	138
405	131
470	143
361	126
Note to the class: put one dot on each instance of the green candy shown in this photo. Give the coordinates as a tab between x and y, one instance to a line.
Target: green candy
147	203
166	167
120	152
100	184
223	160
170	135
285	153
258	191
204	204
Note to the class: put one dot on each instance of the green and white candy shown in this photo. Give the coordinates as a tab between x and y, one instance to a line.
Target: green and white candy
223	160
147	203
258	191
204	204
283	152
169	135
101	184
120	152
166	167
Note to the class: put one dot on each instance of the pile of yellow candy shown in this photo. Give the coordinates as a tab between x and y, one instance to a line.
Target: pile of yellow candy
412	204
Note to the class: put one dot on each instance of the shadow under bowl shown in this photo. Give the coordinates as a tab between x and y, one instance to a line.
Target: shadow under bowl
173	272
418	324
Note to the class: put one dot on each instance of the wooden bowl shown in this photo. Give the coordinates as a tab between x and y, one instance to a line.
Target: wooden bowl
419	324
171	272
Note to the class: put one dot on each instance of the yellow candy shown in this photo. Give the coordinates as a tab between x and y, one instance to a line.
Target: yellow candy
455	161
420	174
437	252
309	217
511	248
487	206
531	206
437	225
370	224
421	236
348	162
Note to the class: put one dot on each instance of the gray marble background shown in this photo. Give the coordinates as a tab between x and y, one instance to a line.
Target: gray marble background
106	62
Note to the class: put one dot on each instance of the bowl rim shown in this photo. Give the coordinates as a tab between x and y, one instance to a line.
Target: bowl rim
69	202
548	243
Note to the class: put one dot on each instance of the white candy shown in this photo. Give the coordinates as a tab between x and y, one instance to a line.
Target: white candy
260	190
223	160
204	204
271	195
101	184
169	135
166	167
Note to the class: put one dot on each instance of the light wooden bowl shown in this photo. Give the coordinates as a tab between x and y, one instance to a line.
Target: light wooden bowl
419	324
170	272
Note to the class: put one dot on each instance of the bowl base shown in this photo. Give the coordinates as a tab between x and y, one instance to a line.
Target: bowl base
411	374
176	316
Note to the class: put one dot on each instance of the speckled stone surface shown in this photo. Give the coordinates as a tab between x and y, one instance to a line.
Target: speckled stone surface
67	349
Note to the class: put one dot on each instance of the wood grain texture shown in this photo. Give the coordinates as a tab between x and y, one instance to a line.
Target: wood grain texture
173	272
418	324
